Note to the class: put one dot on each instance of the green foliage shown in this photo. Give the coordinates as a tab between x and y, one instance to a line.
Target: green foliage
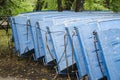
7	7
94	5
50	5
115	5
73	5
25	6
14	7
89	4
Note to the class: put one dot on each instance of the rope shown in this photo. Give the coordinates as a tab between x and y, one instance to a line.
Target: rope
61	56
26	49
59	62
47	46
64	53
65	45
49	31
96	50
73	52
76	73
20	24
27	24
42	30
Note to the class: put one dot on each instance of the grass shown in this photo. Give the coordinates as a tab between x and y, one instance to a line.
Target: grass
4	37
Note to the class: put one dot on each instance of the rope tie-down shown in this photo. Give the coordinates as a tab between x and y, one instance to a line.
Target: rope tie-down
73	68
97	55
64	52
27	28
48	48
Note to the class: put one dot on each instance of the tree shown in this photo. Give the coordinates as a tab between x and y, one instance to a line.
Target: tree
107	3
14	7
79	5
115	5
68	4
60	8
90	4
6	7
50	5
39	5
95	5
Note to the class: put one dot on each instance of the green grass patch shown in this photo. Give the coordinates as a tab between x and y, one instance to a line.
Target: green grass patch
4	37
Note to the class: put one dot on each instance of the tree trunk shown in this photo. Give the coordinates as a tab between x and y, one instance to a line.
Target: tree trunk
39	5
68	4
59	5
107	3
79	5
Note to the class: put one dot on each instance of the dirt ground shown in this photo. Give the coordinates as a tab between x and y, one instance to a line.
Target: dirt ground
13	67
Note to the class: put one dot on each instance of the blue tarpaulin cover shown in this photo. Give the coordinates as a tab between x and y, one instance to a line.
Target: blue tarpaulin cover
89	40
